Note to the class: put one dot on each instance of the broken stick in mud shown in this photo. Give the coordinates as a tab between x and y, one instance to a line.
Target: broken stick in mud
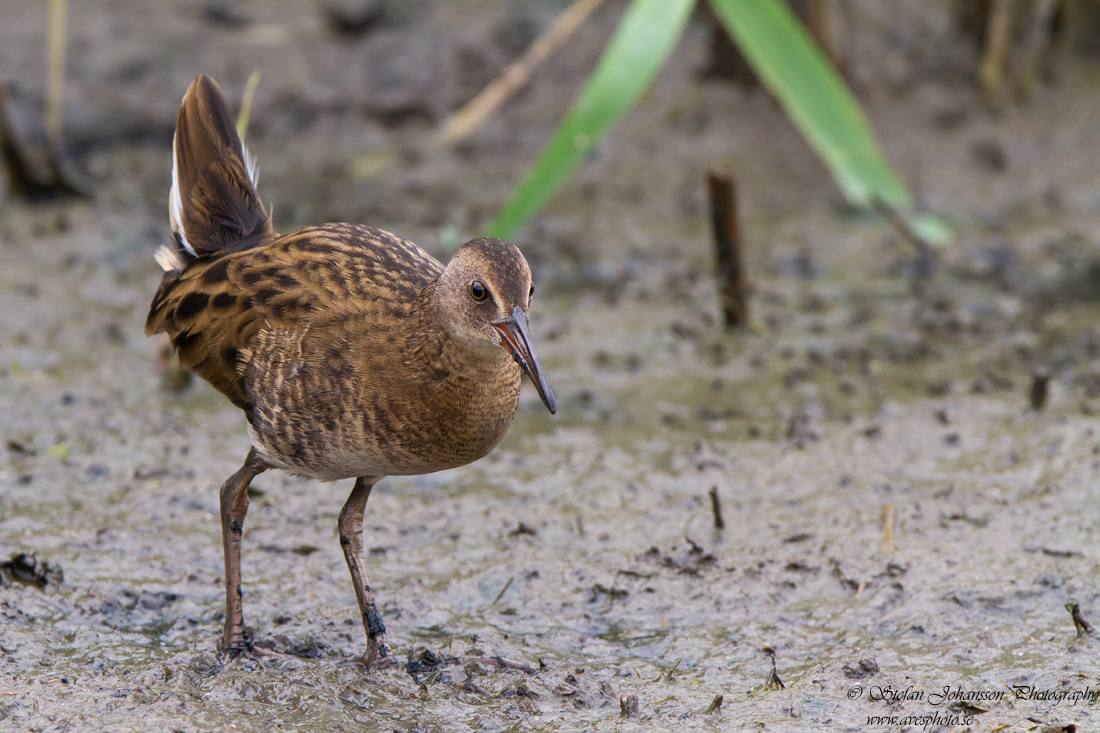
732	283
716	508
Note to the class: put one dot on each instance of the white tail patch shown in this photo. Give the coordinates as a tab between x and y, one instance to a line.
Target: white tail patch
175	205
250	166
169	258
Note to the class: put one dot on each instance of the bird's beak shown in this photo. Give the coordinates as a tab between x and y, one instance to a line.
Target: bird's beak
516	339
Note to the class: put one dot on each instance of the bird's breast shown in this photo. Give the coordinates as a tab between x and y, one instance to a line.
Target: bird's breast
360	420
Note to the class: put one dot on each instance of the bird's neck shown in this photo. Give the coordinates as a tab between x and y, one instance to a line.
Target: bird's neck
471	389
434	351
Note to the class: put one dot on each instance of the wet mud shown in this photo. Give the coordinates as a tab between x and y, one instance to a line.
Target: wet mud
903	529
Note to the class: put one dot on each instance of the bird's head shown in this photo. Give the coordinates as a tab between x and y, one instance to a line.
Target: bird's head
485	292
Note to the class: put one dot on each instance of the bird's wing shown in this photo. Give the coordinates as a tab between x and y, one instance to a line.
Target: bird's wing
224	311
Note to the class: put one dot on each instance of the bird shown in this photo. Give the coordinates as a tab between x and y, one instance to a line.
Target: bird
353	353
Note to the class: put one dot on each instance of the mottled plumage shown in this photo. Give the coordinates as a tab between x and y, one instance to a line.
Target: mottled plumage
352	352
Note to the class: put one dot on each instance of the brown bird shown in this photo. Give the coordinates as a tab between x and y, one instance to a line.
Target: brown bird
352	352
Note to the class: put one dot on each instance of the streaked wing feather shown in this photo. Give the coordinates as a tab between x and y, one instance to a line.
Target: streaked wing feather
215	308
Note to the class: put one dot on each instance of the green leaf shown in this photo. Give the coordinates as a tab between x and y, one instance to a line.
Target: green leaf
791	65
644	39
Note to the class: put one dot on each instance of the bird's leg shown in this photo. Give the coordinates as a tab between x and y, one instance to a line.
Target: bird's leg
234	505
351	541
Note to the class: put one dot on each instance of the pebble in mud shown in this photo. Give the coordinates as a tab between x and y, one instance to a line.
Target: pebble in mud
864	668
26	568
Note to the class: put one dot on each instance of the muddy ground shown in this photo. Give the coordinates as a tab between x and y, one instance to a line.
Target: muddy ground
586	542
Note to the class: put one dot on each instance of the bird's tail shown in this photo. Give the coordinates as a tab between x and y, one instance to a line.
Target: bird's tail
213	206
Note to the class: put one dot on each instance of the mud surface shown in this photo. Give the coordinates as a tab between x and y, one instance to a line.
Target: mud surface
586	542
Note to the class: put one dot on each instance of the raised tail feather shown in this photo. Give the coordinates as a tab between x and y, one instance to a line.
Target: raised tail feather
213	206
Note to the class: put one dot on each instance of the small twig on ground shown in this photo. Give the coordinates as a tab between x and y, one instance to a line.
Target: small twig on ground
715	705
1040	381
997	30
773	682
628	705
55	86
1083	627
502	662
503	591
888	511
463	122
727	243
64	182
716	508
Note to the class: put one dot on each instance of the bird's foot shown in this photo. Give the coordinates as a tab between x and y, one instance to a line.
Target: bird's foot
240	646
378	654
373	661
259	653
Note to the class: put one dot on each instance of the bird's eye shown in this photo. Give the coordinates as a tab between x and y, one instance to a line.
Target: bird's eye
478	291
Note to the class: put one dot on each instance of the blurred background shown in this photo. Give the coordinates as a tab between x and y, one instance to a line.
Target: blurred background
883	474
